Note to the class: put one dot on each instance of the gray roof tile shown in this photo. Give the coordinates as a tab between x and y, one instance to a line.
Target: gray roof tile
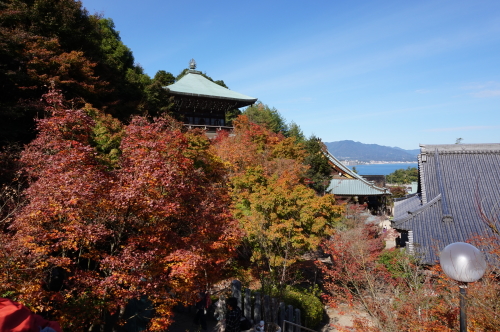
470	175
401	207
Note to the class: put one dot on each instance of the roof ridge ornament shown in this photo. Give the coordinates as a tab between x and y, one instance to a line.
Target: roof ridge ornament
192	64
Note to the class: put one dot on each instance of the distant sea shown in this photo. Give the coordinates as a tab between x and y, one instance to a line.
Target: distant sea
381	169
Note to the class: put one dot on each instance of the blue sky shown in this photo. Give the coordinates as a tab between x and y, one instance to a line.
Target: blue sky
395	73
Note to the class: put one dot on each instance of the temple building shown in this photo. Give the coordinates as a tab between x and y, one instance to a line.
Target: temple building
199	102
458	199
346	184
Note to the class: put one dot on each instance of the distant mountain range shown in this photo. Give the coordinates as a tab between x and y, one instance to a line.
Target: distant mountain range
350	150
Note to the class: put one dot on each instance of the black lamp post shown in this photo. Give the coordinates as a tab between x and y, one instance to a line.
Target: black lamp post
464	263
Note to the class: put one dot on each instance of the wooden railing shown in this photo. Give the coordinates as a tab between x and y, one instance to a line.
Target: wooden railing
266	308
208	127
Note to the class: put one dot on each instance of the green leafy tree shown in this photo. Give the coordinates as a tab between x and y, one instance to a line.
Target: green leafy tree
164	78
403	176
263	115
157	100
135	84
106	137
116	54
126	92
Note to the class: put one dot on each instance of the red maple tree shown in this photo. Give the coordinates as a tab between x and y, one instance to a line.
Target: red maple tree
156	223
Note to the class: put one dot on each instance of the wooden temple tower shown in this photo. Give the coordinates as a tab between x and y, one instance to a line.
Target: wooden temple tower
199	102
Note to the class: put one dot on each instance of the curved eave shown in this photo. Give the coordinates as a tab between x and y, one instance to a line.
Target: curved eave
349	174
241	102
399	223
403	205
337	164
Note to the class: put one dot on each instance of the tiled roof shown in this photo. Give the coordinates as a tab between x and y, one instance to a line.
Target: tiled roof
401	207
193	83
454	179
351	184
353	187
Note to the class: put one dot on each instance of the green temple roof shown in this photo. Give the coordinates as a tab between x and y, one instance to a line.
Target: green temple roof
355	187
351	183
194	84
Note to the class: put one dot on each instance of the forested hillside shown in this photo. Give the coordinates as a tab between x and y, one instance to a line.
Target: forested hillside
58	43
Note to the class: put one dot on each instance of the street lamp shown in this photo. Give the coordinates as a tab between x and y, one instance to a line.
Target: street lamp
464	263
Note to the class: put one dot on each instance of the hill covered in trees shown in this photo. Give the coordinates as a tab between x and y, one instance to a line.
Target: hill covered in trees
351	150
59	44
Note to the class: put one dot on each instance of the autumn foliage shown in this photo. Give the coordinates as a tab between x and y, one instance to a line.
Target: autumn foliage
155	222
390	291
102	209
46	42
281	216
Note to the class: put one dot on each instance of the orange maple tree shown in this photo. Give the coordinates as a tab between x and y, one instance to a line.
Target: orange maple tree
282	217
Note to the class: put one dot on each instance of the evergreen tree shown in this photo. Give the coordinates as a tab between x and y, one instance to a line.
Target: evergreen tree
295	131
319	172
158	100
270	118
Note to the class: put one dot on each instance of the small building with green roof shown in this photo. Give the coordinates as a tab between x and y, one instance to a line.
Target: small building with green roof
347	184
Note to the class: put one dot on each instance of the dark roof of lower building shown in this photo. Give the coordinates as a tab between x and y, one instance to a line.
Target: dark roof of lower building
402	206
457	183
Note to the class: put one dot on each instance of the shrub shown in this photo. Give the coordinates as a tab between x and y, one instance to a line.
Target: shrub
398	263
307	301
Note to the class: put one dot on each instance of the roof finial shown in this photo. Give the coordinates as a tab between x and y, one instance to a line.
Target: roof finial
192	64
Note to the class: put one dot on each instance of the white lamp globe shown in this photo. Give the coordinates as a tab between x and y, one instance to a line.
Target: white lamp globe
462	262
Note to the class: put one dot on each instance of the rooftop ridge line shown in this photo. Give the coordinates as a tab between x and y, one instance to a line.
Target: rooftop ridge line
460	148
446	213
421	159
464	152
